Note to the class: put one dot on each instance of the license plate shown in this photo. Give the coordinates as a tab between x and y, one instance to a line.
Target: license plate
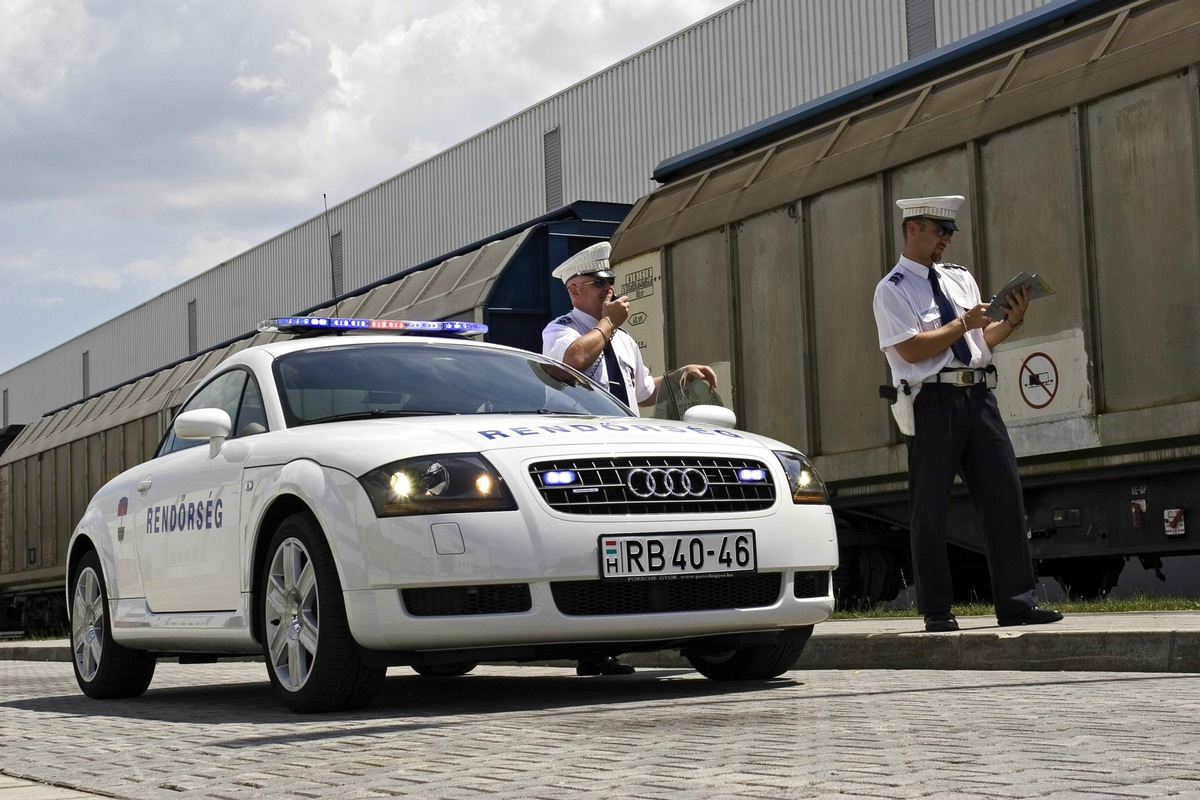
676	556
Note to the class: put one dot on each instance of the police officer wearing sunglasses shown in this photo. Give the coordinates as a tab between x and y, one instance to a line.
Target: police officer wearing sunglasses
590	337
591	340
938	343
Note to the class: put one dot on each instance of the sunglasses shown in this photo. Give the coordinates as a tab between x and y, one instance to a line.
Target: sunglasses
940	230
600	283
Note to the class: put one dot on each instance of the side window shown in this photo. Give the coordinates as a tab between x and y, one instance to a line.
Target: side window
224	392
252	417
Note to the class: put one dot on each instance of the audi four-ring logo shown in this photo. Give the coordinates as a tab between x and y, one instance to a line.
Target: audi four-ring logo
672	482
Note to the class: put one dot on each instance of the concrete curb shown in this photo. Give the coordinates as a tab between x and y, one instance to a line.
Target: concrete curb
1146	651
1098	642
49	650
1113	642
1086	651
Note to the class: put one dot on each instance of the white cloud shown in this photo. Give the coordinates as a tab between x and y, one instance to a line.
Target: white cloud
198	256
259	85
294	43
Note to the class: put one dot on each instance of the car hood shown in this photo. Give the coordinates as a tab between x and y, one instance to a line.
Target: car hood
361	445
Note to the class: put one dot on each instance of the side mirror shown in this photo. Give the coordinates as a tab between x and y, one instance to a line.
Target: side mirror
205	423
713	415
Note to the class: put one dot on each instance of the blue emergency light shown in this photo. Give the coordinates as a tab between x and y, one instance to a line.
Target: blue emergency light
558	477
311	325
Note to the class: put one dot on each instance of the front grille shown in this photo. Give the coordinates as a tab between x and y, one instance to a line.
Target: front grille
658	485
457	601
811	584
589	598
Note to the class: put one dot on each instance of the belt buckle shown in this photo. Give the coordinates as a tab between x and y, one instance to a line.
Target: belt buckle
966	377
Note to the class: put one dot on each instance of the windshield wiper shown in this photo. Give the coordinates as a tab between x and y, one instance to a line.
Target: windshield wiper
546	411
375	413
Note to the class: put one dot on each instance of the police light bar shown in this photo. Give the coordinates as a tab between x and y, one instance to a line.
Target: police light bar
345	324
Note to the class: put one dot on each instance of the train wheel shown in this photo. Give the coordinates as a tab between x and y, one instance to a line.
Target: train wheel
312	658
104	669
866	577
1088	578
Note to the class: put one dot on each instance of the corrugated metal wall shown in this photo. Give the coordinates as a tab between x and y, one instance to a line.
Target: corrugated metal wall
754	60
957	20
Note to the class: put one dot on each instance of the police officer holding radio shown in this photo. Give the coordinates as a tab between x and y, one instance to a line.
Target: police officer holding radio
938	342
590	339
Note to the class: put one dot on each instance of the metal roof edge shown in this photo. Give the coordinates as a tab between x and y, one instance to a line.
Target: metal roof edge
942	60
582	210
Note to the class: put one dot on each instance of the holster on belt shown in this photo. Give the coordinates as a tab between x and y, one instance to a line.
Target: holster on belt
901	398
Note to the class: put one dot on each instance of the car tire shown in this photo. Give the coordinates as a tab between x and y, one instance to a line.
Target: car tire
444	670
753	663
104	669
312	658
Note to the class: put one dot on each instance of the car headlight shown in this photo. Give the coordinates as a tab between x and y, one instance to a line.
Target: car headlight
455	483
804	483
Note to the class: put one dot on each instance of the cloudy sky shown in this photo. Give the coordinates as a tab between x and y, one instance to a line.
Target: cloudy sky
144	142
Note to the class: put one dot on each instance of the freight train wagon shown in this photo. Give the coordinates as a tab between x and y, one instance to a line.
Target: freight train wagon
1074	133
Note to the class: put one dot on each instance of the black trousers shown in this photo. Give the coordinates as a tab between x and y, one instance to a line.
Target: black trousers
960	431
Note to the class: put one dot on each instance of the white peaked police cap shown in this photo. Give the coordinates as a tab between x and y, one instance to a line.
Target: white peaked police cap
590	261
943	209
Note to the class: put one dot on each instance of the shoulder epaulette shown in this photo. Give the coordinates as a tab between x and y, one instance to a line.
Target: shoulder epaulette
952	266
565	319
896	277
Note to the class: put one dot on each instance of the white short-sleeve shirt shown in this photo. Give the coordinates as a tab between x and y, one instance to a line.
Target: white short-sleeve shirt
559	334
904	306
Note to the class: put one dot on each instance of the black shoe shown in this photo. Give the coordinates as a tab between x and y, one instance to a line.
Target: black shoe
1031	616
940	623
609	665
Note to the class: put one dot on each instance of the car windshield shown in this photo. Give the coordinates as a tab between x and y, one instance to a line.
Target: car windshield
349	381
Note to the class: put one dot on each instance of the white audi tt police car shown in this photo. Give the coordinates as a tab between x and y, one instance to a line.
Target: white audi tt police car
344	503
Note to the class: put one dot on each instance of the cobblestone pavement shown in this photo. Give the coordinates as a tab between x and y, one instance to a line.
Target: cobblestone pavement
216	731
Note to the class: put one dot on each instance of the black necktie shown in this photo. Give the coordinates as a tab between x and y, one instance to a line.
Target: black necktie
616	383
959	348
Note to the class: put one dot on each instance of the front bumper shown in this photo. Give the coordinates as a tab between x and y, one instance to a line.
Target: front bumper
587	612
